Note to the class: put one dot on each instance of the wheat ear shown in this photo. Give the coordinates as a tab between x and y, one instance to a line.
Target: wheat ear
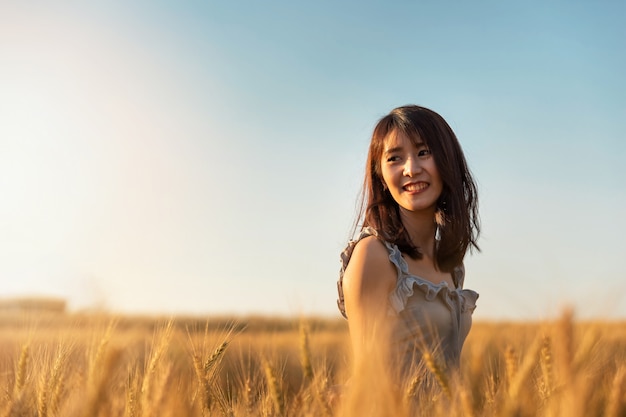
521	376
615	406
438	371
305	353
274	389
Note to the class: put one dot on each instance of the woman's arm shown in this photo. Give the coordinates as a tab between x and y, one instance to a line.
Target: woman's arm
367	282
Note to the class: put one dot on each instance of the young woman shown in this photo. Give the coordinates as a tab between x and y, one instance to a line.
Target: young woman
401	281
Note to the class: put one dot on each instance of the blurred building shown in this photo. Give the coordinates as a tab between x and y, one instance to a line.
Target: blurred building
32	304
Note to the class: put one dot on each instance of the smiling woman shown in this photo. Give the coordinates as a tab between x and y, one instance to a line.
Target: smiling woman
409	172
401	282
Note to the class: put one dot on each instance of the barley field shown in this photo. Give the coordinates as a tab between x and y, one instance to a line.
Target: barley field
103	365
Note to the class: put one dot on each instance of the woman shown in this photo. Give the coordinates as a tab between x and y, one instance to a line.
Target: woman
401	281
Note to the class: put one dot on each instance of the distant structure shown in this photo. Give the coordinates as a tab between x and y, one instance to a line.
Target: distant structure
32	304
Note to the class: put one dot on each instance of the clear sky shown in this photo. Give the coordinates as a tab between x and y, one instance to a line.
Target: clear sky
206	157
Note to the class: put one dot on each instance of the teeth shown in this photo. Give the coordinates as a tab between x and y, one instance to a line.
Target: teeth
415	187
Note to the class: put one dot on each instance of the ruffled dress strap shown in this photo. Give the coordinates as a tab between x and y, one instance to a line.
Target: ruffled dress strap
408	283
395	256
457	298
458	275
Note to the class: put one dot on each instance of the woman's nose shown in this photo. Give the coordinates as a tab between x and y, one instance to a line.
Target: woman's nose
411	167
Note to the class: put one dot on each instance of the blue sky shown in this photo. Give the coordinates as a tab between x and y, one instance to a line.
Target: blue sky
204	158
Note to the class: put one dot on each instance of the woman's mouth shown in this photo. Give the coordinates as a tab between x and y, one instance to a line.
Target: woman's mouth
415	186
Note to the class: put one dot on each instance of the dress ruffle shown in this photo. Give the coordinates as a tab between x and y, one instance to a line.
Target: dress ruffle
406	286
345	258
406	283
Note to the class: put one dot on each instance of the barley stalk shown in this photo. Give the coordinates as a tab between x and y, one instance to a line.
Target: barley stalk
98	387
522	375
159	348
322	393
305	353
215	358
52	384
158	390
207	371
92	377
132	391
98	357
546	367
205	387
586	348
20	372
565	345
247	397
411	389
273	387
438	371
615	406
510	363
223	402
466	402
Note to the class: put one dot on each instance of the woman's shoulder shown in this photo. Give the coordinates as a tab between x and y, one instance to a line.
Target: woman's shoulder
368	247
371	247
365	268
369	264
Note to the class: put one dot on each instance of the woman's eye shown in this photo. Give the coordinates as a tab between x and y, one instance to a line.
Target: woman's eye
424	152
393	158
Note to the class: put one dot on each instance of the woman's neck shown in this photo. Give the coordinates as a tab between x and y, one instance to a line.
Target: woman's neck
421	228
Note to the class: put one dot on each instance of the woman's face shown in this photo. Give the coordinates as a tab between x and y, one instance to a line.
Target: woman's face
410	173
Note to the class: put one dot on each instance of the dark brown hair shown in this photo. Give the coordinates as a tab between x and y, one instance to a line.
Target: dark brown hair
457	207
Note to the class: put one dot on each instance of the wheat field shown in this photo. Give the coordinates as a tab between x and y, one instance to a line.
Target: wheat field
105	365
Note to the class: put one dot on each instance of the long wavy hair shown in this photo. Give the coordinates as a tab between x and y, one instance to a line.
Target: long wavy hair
457	207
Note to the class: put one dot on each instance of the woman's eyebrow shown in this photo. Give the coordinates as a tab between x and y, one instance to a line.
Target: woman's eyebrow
393	150
400	148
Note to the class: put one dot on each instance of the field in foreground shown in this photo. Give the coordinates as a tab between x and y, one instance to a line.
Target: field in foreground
99	365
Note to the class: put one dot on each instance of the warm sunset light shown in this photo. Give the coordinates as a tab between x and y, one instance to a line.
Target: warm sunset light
206	159
179	183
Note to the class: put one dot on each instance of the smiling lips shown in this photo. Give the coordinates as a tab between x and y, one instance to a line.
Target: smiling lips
415	186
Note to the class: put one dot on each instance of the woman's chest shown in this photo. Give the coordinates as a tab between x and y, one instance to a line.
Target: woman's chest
426	270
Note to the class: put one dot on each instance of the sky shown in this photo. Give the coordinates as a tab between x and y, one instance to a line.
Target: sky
206	158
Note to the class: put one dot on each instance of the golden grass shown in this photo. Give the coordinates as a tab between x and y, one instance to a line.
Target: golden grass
99	365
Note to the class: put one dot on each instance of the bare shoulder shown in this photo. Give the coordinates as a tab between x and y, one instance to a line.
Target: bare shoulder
369	268
371	250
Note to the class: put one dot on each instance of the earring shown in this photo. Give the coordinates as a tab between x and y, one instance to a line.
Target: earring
437	233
